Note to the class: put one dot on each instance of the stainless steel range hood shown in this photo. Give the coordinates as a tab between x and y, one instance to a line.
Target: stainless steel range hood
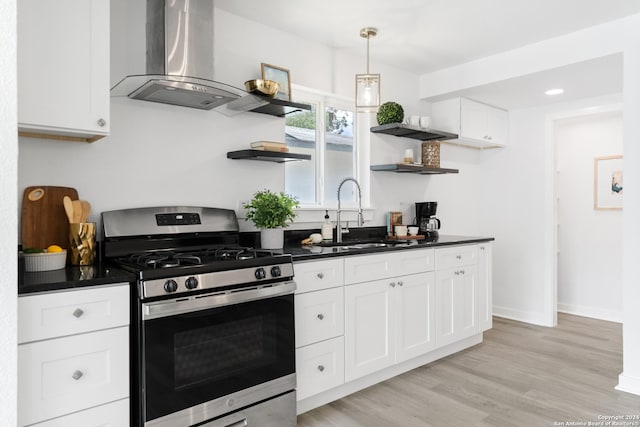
179	61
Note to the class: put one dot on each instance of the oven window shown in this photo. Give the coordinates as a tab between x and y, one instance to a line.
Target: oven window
192	358
221	351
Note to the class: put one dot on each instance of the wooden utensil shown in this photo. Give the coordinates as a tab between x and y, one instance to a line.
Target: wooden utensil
86	210
77	211
43	220
68	208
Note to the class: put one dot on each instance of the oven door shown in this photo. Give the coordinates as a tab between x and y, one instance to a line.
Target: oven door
209	355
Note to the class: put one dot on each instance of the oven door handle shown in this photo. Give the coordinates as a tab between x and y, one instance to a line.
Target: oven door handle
157	309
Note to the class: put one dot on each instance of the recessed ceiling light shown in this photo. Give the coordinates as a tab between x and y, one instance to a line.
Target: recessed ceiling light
552	92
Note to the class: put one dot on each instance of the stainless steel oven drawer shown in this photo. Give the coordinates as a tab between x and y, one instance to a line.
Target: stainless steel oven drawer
277	412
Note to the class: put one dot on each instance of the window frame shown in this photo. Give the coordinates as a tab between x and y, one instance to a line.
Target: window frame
322	100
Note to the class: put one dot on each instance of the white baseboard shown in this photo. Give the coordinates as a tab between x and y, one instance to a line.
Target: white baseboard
593	312
628	384
535	318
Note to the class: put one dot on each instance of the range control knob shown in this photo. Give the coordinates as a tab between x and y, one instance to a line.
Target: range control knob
191	283
275	271
260	273
170	286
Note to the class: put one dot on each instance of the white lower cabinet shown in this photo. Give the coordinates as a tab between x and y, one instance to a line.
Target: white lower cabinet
73	358
115	414
457	302
359	315
319	312
319	367
388	321
319	316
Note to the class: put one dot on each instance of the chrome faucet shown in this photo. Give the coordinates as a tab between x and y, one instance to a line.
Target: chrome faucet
339	230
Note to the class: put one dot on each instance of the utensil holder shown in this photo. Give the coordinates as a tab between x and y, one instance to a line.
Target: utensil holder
431	154
82	243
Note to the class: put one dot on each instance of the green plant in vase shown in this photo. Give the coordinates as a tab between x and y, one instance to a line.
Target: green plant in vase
271	212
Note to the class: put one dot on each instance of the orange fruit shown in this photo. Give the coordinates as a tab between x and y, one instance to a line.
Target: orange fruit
54	249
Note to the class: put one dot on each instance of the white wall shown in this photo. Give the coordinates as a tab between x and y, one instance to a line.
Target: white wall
515	197
8	207
589	240
158	154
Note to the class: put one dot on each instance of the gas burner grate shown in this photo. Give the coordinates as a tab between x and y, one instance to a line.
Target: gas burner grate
163	259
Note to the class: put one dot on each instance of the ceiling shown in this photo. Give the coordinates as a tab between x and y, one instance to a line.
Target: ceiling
422	36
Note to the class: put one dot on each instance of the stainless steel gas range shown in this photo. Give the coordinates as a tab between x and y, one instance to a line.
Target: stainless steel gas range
213	335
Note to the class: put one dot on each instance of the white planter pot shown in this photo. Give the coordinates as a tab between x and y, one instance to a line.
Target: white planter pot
272	238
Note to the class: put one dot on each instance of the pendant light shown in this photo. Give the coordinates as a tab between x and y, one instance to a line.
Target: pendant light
368	85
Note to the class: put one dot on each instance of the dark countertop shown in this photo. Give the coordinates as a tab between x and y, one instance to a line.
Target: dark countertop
303	253
103	274
71	277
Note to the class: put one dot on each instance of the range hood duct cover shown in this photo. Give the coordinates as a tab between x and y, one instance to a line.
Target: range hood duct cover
179	59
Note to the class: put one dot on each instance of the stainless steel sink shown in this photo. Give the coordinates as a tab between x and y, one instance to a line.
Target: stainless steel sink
367	245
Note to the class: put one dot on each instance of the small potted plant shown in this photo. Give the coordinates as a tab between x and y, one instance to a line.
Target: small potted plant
271	212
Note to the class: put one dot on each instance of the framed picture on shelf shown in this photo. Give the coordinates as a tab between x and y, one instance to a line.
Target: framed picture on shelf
280	75
608	183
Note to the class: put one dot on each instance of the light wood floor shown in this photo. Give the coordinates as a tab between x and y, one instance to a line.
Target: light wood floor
521	375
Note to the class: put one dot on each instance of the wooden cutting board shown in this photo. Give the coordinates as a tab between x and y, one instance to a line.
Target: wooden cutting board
44	221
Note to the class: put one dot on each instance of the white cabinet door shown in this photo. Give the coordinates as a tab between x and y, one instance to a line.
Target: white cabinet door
497	126
369	328
477	125
485	286
415	310
319	315
457	304
319	367
115	414
63	68
64	375
473	123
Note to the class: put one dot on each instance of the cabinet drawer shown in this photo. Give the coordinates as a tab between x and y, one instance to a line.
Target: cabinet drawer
456	256
365	268
69	374
319	315
115	414
316	275
319	367
67	313
416	261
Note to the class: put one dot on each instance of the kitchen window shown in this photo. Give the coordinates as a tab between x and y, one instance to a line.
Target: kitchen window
328	134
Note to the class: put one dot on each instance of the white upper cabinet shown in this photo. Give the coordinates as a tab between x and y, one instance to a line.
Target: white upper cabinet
63	69
477	125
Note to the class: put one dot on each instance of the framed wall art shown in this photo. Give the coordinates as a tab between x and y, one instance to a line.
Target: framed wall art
608	183
280	75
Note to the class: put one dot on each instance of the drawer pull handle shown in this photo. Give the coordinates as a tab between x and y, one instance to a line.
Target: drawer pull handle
320	368
461	271
400	283
457	273
320	316
459	256
101	122
77	375
392	284
78	313
482	248
320	276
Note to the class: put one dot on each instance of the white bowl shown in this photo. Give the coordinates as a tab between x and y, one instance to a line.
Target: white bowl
45	261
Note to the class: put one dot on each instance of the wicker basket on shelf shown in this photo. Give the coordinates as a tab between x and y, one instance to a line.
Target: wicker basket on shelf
431	154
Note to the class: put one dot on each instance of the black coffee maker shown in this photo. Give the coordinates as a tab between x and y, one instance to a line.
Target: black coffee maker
426	219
